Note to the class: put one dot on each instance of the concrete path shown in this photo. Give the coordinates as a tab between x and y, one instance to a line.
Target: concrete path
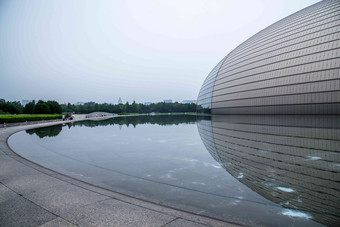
31	195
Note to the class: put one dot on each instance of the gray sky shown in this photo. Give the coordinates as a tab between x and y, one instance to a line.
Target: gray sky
142	50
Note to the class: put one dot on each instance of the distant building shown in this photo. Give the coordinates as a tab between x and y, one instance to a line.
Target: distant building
188	101
147	103
25	102
168	101
120	100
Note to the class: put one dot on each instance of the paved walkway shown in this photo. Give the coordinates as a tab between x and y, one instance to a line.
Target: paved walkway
31	195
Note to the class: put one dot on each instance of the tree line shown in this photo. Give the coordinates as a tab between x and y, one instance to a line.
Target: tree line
53	107
134	107
41	107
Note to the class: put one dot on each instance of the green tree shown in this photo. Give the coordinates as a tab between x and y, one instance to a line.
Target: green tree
9	108
28	109
54	107
18	105
133	107
41	108
126	108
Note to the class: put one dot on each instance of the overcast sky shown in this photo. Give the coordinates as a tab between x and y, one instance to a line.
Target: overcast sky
142	50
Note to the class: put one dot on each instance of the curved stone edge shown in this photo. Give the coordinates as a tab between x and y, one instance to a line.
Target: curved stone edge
32	195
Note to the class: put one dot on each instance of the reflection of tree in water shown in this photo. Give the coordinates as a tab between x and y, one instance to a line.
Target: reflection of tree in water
136	120
50	131
53	131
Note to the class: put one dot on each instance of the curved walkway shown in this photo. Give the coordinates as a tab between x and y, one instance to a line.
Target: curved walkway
31	195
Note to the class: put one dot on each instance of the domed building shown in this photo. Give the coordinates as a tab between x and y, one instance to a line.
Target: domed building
291	67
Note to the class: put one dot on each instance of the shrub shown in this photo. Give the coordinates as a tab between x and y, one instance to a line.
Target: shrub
23	118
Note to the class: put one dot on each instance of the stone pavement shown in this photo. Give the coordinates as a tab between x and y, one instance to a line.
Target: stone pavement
31	195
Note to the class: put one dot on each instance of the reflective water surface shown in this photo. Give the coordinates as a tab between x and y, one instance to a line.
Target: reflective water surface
252	170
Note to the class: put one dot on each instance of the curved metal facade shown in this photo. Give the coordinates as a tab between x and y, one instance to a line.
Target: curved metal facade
291	67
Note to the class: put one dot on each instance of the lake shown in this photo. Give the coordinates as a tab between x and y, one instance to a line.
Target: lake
252	170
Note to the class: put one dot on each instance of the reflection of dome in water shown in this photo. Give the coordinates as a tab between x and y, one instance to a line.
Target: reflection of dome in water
291	67
291	160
